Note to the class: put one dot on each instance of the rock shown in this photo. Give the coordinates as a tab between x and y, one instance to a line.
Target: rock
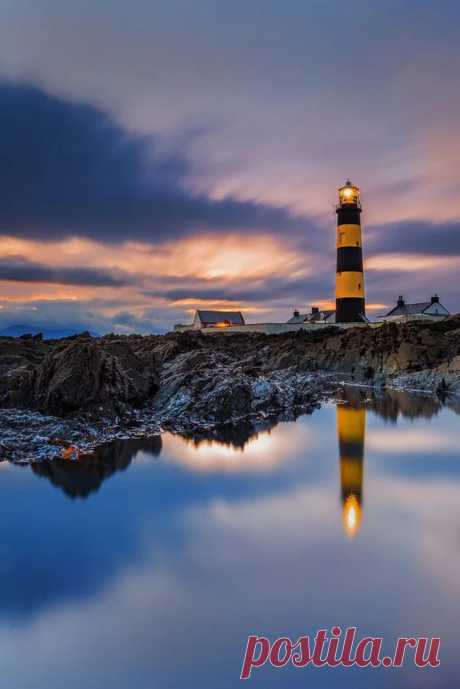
76	375
228	399
190	380
84	376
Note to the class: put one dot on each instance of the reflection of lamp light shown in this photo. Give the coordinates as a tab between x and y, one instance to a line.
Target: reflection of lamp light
70	452
351	515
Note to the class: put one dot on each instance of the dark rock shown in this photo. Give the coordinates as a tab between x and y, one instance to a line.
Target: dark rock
84	474
221	376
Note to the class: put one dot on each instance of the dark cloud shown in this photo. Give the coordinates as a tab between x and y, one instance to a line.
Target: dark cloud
70	170
19	269
415	238
384	287
45	315
146	322
271	288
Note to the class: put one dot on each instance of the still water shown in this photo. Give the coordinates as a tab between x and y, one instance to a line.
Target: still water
148	565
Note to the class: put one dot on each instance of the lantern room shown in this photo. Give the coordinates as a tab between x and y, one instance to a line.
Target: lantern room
349	195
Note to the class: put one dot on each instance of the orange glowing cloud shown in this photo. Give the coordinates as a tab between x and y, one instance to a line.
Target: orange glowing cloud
263	452
202	256
204	271
190	305
410	262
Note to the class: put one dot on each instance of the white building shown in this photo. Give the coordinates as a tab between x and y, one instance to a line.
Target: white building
432	309
213	319
316	316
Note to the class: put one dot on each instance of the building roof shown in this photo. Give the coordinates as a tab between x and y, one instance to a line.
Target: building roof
321	315
235	317
311	317
409	309
299	319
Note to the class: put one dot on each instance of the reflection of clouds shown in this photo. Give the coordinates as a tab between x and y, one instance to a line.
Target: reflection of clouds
410	440
263	452
437	513
159	617
213	588
225	566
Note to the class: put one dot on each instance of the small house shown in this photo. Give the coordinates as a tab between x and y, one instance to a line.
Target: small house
217	319
421	310
316	316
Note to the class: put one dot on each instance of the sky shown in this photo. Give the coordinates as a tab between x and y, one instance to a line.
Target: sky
161	157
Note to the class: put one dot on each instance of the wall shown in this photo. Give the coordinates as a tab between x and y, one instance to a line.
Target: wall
415	317
273	328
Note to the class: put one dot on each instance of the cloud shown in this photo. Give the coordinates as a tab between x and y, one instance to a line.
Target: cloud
121	314
157	285
286	110
71	170
183	583
421	237
19	269
270	288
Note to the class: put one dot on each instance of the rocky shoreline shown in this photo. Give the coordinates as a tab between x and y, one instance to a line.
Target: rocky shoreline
62	397
30	436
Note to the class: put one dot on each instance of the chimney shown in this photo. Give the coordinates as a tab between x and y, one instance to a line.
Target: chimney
401	301
435	299
296	314
315	309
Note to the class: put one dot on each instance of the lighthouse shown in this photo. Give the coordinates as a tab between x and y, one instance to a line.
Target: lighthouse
349	291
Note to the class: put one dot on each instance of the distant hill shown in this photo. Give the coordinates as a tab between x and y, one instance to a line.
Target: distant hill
48	333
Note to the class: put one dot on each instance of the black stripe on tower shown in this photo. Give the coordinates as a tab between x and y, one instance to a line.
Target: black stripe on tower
349	258
349	309
348	216
352	449
353	490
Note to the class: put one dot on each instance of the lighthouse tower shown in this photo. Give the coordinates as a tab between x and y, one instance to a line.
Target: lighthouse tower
349	292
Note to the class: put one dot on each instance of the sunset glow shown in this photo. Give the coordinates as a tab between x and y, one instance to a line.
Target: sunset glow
217	188
263	452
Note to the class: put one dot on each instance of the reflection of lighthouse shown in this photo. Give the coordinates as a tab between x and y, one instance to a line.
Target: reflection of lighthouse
351	424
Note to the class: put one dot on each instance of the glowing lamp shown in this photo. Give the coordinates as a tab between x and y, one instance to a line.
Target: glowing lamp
349	195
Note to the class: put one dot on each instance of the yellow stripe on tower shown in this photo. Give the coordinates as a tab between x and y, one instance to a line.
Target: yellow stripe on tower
351	473
349	284
348	235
